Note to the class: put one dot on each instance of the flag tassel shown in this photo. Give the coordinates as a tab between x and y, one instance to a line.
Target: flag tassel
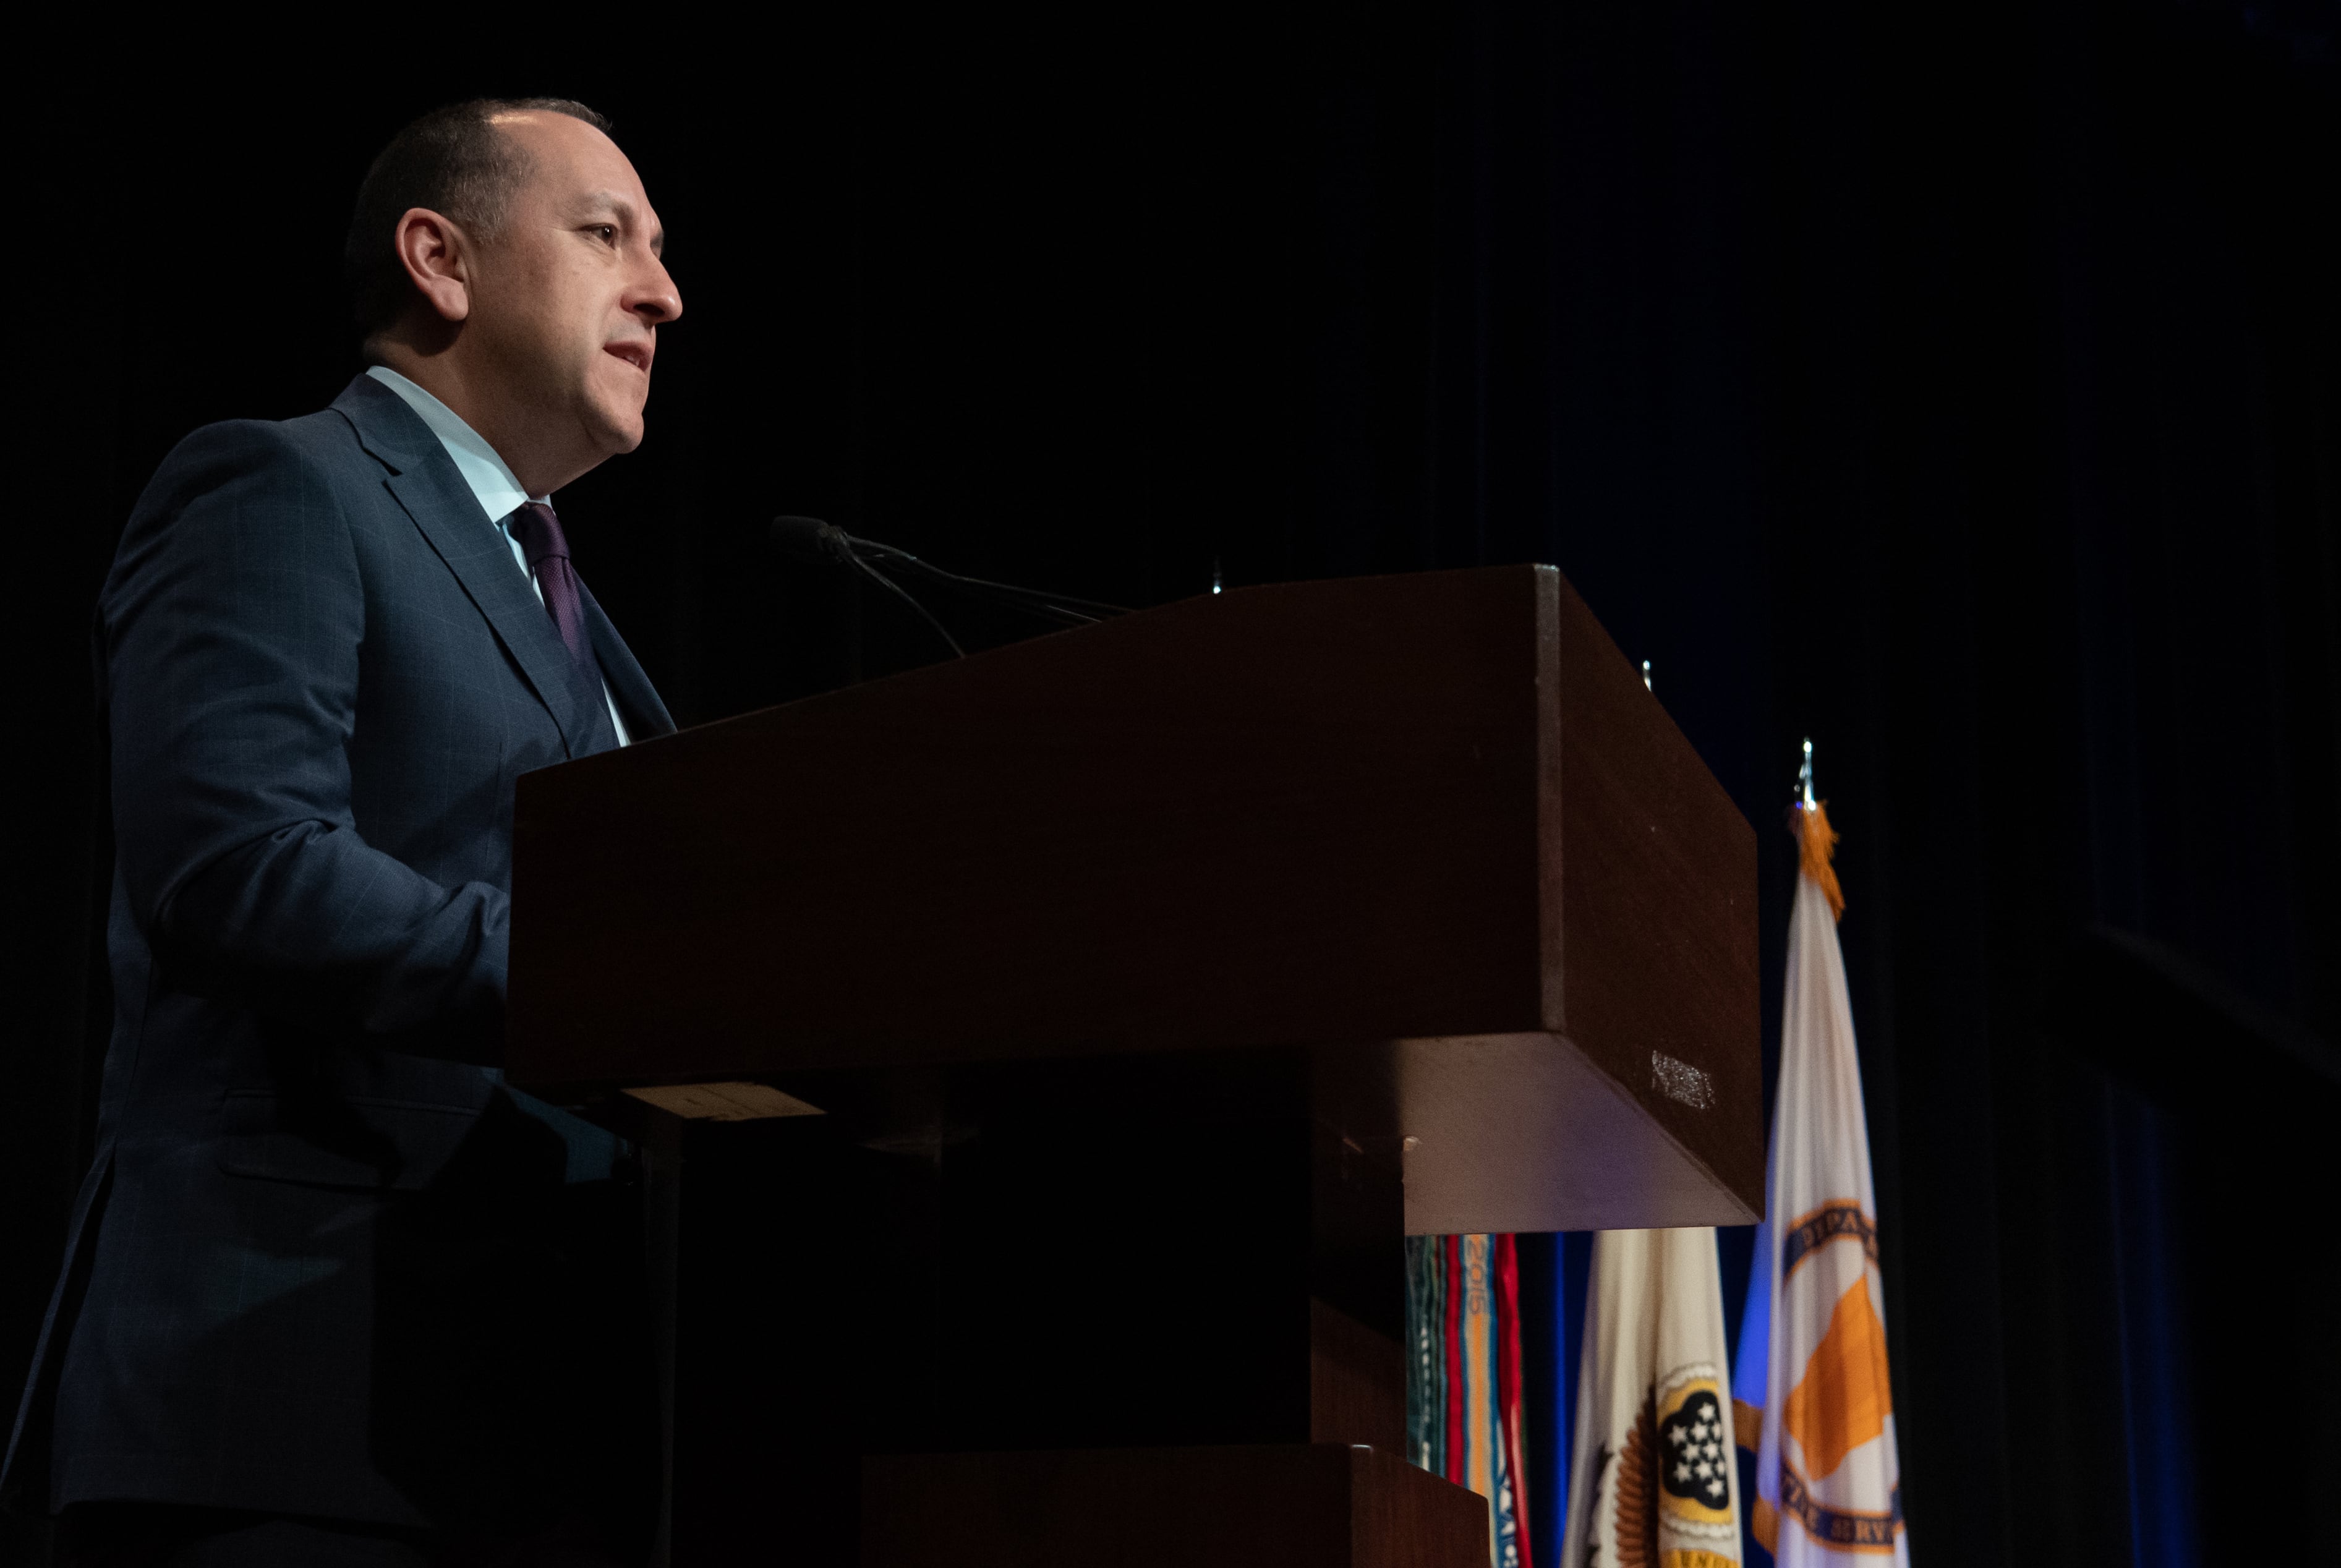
1816	850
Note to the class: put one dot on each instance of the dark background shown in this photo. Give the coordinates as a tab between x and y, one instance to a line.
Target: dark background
1955	386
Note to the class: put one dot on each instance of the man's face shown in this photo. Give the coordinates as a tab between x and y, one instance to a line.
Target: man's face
567	297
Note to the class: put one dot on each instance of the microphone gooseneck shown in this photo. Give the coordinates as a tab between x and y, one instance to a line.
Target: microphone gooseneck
1062	607
812	539
925	615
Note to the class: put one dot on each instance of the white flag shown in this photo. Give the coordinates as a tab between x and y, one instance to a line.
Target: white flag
1652	1481
1827	1481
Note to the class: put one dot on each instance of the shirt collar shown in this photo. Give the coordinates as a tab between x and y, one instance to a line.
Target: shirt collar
490	477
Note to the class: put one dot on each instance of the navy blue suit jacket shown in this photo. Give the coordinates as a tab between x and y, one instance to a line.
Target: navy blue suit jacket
325	1262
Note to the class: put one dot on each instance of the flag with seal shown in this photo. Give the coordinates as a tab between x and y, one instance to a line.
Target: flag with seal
1652	1481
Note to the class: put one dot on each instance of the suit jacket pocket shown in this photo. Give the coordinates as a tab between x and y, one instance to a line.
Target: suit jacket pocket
357	1143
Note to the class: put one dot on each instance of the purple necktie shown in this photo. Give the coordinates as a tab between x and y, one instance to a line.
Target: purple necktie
547	549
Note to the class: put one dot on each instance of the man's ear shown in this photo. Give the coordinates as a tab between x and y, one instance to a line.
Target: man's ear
436	253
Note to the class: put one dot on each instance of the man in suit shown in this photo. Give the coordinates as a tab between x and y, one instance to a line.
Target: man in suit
335	1295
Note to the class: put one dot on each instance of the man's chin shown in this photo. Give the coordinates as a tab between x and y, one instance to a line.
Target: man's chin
617	431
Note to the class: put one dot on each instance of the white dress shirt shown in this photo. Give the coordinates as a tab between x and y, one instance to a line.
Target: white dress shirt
491	479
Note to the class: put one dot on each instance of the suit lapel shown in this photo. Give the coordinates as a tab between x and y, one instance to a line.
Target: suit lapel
425	480
646	716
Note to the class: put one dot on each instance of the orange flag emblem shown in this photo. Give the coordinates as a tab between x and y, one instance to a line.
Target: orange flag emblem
1844	1398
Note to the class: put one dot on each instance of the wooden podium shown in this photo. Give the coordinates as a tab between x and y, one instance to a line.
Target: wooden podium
1150	982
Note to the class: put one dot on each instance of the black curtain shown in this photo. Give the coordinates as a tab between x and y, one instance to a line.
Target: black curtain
1957	388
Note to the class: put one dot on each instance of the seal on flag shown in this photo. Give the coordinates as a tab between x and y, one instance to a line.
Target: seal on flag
1664	1487
1694	1454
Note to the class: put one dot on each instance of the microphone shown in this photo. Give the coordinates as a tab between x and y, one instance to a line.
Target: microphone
811	539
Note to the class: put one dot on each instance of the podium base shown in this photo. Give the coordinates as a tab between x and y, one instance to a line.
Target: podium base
1314	1506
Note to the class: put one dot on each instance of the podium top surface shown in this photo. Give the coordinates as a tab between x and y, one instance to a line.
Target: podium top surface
1313	815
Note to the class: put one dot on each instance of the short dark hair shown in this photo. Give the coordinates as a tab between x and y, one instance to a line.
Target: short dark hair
452	160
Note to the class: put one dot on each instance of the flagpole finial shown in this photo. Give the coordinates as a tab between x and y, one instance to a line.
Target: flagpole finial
1815	840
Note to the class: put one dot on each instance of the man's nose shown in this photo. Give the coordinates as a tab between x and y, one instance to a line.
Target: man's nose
654	297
